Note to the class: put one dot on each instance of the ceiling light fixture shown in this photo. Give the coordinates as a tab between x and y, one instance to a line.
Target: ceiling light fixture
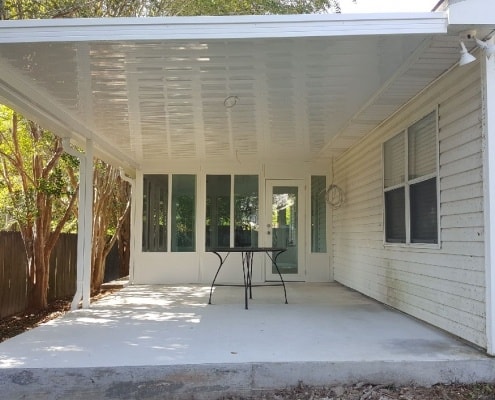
466	58
230	101
488	46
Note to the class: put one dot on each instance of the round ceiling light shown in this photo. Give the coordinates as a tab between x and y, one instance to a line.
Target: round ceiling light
230	101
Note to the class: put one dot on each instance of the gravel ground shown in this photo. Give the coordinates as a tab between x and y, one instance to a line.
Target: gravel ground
365	391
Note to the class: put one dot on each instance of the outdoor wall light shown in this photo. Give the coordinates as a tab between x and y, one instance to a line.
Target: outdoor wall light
466	58
488	46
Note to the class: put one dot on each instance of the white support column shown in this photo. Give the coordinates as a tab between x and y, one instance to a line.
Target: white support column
489	195
84	223
132	211
87	208
80	223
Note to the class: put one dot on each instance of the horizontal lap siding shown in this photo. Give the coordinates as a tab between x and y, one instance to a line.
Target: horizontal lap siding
446	286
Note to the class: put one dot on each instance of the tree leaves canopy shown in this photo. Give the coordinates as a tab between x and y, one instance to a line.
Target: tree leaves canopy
34	9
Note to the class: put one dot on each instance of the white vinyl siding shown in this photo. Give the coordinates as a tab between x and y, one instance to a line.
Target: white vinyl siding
444	286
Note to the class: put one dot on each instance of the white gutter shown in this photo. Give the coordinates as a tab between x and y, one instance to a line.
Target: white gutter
224	27
84	223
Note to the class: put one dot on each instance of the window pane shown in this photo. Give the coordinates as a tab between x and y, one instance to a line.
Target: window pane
217	211
183	212
155	203
395	218
285	209
424	220
422	147
318	215
246	210
394	160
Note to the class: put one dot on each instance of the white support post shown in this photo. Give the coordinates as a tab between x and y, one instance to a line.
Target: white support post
80	223
488	78
87	208
84	223
132	244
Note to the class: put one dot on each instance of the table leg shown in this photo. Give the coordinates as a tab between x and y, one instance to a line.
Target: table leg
245	273
274	260
222	260
250	257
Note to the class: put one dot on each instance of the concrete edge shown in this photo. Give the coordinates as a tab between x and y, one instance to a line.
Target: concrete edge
210	381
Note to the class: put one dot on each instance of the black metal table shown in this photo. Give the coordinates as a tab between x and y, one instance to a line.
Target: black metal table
247	254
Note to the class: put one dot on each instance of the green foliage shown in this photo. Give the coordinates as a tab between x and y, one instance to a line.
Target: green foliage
54	184
24	9
25	150
251	7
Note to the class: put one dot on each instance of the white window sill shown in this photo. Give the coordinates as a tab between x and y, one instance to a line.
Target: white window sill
434	246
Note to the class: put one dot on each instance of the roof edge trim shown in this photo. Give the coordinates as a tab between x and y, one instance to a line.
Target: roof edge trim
229	27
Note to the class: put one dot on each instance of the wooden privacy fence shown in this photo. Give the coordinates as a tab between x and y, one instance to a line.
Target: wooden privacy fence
12	274
13	265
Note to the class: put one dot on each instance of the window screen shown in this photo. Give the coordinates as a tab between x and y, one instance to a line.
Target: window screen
395	216
246	210
318	215
422	147
183	213
217	211
155	204
424	212
394	160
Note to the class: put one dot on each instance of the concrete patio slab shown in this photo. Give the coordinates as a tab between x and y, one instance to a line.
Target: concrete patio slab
166	341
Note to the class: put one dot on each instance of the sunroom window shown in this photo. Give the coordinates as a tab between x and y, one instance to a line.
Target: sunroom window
155	204
169	199
231	198
318	214
410	184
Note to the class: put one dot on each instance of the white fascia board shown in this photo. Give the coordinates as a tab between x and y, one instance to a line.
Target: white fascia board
471	12
230	27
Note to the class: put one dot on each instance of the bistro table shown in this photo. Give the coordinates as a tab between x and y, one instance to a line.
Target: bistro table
247	255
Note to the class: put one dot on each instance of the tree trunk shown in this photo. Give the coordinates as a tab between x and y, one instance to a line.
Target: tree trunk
38	276
35	188
98	271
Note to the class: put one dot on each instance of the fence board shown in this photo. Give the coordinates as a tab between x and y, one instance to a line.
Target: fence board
13	275
63	271
63	268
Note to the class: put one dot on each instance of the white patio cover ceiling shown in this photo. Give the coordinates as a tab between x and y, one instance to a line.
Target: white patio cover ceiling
152	91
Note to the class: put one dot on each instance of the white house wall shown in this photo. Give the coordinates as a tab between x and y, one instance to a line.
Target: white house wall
444	286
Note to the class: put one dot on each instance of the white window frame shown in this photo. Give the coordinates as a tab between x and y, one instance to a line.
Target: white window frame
408	183
232	204
168	210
